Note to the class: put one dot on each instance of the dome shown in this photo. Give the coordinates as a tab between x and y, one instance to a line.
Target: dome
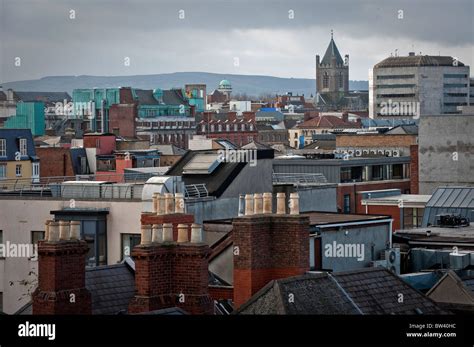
225	84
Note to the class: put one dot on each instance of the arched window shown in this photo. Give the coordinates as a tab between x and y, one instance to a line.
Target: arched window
325	80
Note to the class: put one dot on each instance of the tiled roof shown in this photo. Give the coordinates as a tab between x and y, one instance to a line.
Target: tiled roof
308	294
112	287
377	291
417	60
364	291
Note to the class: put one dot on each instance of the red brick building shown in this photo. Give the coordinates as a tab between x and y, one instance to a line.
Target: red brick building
239	131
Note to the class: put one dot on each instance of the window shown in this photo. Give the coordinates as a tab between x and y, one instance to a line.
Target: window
412	217
347	203
35	170
2	255
18	170
23	149
397	171
325	80
377	172
3	148
128	242
3	171
351	174
341	81
36	236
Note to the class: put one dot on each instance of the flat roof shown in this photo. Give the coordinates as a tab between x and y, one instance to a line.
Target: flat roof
406	199
330	218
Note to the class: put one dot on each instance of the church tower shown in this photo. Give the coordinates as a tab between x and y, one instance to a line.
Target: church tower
332	76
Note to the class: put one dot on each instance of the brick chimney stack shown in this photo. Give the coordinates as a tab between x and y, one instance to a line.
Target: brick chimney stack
171	263
61	271
268	246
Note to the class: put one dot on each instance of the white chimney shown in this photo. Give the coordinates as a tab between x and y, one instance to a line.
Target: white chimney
249	204
46	229
157	233
167	232
53	231
160	202
281	203
241	205
183	233
196	233
169	203
294	204
75	230
267	203
64	230
258	203
179	203
146	234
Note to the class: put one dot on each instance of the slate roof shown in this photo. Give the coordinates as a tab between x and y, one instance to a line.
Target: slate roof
220	178
332	51
46	97
170	97
417	60
12	136
112	287
307	294
376	291
365	291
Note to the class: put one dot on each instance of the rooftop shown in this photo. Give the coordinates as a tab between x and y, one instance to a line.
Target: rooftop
417	60
359	292
330	218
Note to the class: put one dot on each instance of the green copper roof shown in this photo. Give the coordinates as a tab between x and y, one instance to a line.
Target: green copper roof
332	51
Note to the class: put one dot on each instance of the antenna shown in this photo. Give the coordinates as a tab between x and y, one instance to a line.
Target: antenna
331	34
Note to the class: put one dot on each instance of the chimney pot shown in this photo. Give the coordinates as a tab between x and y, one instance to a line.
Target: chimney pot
169	203
258	203
64	230
160	210
53	231
157	233
46	229
183	233
179	202
241	205
145	234
267	203
155	201
294	204
167	232
196	233
75	230
281	203
249	205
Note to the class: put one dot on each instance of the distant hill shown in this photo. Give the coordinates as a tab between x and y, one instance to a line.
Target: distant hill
248	84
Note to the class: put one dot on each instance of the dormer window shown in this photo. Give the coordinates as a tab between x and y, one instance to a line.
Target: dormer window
203	128
3	148
23	147
212	128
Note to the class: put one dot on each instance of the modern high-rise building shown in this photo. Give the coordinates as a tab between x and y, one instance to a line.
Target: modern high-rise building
417	85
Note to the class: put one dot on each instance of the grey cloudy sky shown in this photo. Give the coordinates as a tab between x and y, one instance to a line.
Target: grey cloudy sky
259	33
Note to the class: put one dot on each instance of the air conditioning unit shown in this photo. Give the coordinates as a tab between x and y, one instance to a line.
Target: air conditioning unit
392	256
